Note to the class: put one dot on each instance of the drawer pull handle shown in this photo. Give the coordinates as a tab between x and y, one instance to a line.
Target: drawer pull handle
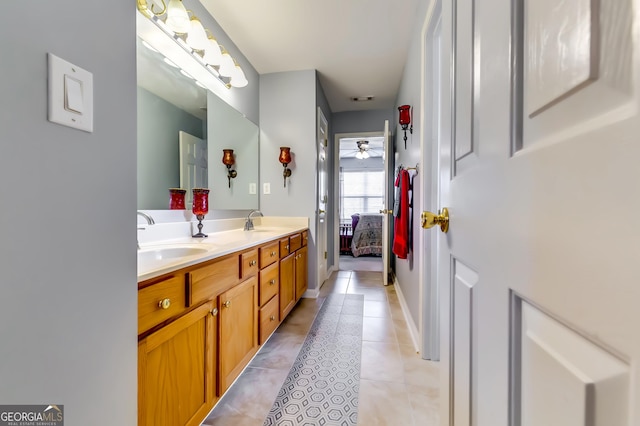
272	282
214	312
272	318
252	263
164	304
273	253
227	303
287	246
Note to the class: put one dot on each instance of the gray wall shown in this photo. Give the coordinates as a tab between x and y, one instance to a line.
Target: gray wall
361	121
407	271
68	299
158	148
288	118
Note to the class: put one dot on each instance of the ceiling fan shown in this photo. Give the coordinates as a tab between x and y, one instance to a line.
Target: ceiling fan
363	148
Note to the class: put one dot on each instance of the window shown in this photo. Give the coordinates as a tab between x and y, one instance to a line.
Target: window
361	192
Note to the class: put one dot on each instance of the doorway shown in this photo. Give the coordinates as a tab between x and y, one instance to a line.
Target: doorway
361	183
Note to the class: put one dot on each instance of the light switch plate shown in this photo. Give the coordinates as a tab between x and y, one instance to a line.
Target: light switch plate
70	104
252	188
266	188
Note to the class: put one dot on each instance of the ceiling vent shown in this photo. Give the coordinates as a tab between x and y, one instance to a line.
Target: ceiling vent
362	98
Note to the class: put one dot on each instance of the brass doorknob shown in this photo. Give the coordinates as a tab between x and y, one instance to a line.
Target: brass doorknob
386	211
429	220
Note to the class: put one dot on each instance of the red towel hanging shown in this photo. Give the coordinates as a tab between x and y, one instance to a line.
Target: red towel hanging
401	220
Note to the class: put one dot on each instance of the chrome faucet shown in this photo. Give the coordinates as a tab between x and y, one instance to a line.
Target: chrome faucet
248	225
149	220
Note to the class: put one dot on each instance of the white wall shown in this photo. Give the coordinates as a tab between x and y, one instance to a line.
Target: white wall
68	305
288	118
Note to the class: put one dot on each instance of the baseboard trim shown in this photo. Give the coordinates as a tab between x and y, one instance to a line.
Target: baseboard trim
311	293
413	329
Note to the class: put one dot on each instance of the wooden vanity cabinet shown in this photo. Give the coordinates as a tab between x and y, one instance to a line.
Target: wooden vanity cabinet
293	273
301	271
238	342
287	285
176	370
200	326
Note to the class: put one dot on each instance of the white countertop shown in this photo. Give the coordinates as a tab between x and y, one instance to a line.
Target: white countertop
174	250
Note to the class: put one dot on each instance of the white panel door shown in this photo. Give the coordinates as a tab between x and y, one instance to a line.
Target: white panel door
323	196
193	164
539	273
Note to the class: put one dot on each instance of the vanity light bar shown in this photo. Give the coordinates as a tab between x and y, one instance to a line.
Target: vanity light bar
236	79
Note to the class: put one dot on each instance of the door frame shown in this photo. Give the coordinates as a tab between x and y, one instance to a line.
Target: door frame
336	186
430	181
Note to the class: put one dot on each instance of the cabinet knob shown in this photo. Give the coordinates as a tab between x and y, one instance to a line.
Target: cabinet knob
273	253
272	318
272	282
214	312
287	246
252	263
164	303
227	303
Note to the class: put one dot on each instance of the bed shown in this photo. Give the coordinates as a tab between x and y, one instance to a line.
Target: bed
367	234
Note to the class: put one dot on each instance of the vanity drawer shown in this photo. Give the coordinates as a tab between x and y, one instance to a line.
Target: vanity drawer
269	253
208	281
161	301
269	282
305	237
249	264
284	247
269	319
295	242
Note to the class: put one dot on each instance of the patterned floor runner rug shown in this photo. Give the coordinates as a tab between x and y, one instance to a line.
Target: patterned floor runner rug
322	386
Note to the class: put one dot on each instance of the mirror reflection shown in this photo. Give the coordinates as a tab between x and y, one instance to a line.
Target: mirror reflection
177	118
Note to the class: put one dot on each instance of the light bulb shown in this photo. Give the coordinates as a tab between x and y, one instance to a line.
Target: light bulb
227	66
197	38
212	53
359	155
365	155
238	79
177	17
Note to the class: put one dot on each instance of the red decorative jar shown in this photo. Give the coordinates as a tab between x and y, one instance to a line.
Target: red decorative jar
176	198
200	208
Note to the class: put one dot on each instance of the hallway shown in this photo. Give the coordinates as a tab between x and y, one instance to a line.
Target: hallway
396	387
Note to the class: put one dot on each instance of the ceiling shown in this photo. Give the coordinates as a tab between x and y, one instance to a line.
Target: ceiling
358	47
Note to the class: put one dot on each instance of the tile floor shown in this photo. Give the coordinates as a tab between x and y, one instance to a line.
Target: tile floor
397	387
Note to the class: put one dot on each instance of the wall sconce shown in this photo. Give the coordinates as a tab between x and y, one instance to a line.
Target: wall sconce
405	121
189	33
228	160
285	159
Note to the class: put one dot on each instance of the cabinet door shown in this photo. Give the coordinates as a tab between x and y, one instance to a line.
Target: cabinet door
301	272
238	330
287	285
176	370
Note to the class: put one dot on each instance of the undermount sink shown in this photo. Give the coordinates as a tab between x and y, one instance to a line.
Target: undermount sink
165	253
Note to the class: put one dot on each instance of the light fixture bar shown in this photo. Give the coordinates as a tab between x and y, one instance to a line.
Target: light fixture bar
180	42
195	44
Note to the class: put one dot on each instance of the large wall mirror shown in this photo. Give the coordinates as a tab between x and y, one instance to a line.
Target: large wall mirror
170	102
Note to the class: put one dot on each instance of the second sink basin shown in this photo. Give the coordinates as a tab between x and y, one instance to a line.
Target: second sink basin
164	253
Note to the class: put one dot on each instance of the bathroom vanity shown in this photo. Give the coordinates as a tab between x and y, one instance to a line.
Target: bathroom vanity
205	311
